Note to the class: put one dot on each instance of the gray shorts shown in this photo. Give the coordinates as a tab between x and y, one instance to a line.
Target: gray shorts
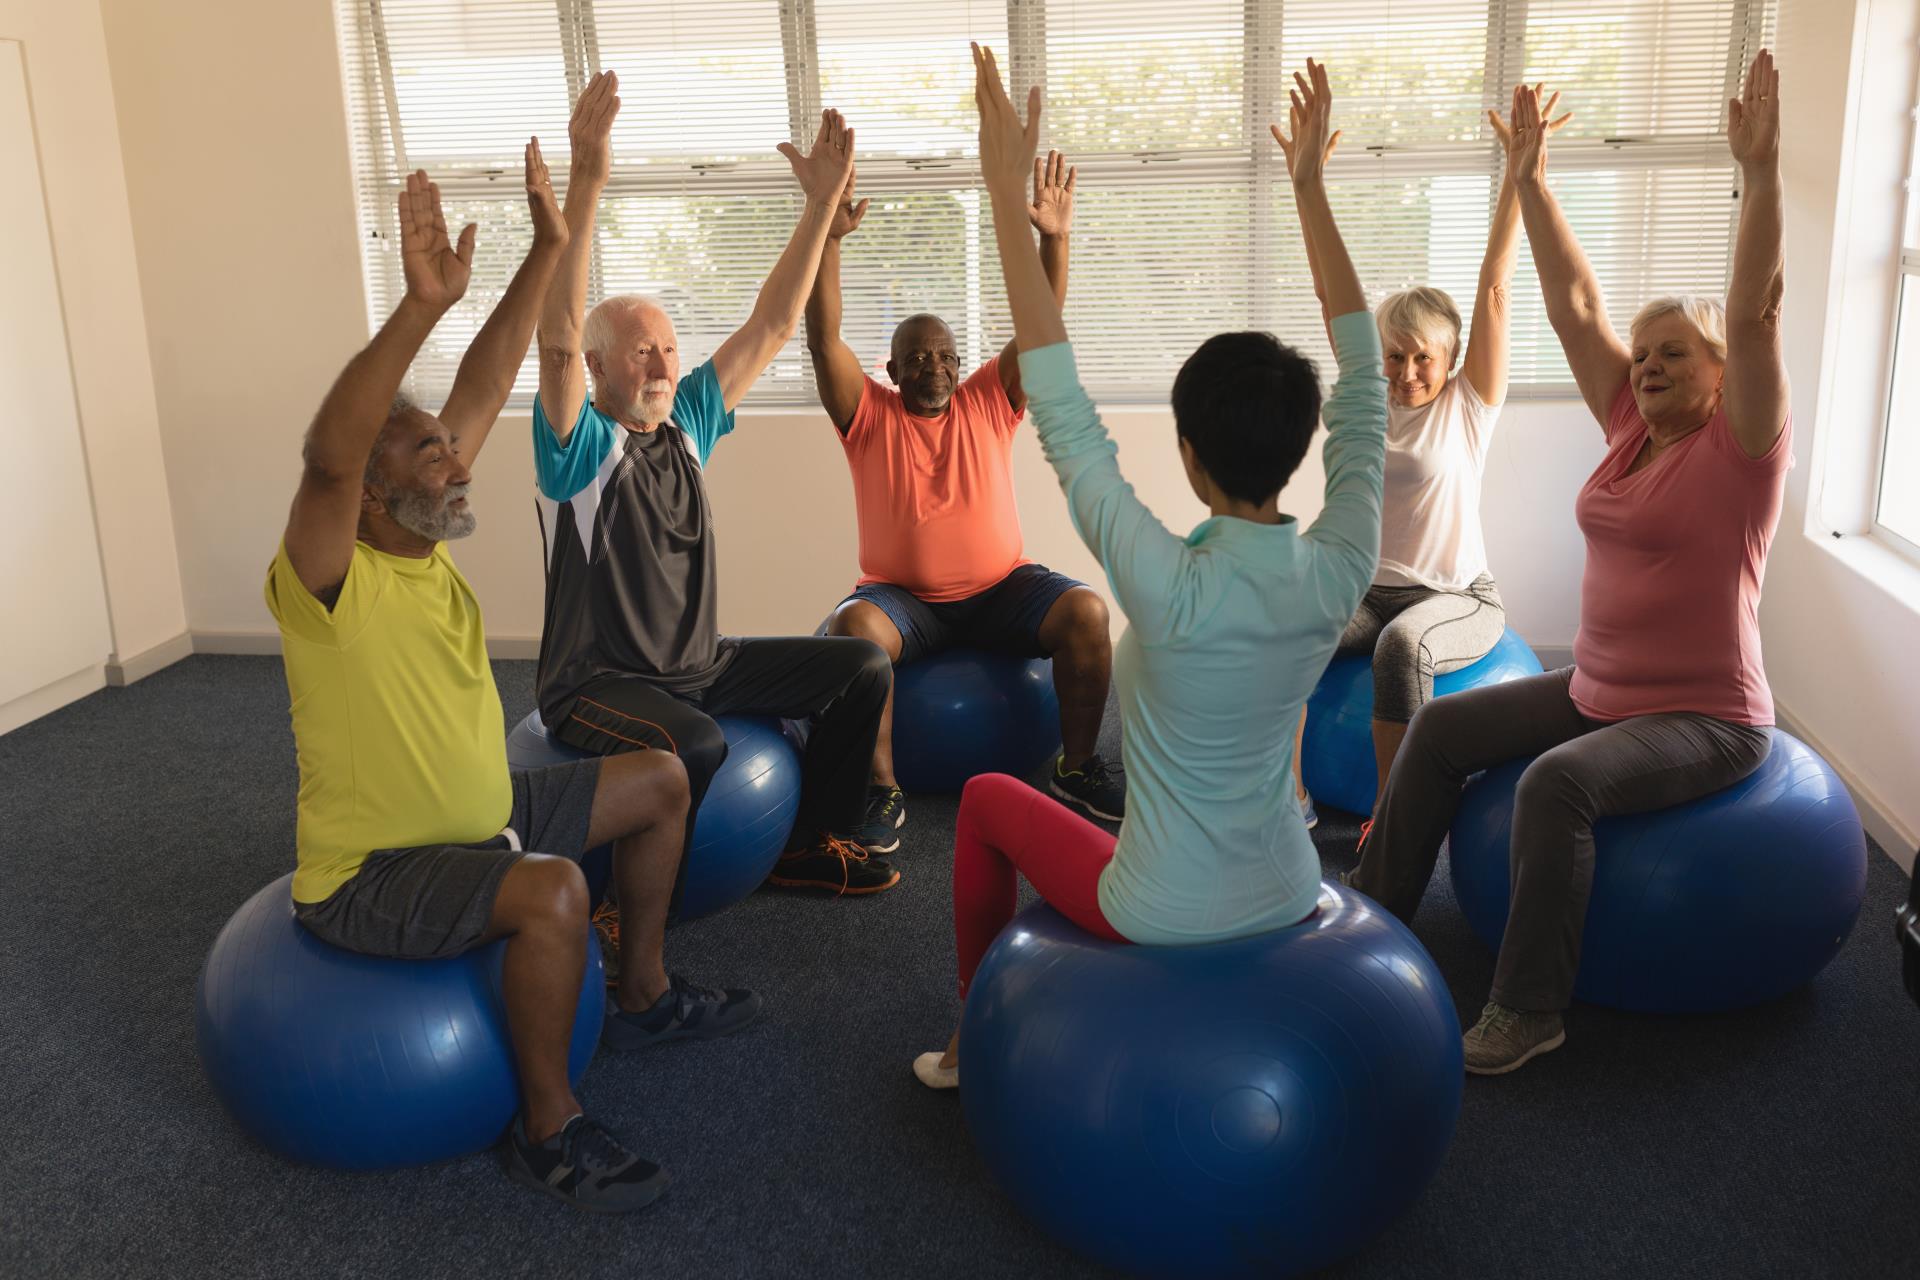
433	901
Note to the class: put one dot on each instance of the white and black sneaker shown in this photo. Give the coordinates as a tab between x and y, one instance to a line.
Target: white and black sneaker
683	1012
1098	786
585	1166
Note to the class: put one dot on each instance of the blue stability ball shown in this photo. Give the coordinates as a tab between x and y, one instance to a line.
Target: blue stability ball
965	712
1257	1107
1336	754
356	1062
1723	902
743	823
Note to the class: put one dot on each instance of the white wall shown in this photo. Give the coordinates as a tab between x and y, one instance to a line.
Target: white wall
89	224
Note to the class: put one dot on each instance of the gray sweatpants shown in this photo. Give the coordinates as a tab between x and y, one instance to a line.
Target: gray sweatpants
1586	769
1416	633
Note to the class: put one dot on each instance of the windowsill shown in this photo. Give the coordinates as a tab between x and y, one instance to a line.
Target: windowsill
1890	570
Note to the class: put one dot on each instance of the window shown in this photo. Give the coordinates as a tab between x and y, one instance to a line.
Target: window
1185	224
1898	509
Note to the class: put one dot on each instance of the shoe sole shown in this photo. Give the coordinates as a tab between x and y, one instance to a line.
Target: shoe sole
657	1184
1545	1046
827	886
672	1037
898	822
1070	798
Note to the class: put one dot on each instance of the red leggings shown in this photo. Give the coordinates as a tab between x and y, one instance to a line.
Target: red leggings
1005	827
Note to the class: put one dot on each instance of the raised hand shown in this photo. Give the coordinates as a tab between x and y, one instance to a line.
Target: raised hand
549	227
1504	129
847	214
1051	210
1310	118
823	171
436	271
1006	145
590	131
1753	118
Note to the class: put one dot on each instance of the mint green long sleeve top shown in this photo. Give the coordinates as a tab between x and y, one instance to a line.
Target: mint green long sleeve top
1228	631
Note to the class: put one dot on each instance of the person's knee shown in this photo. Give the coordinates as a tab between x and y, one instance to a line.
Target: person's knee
647	787
870	670
1549	784
545	893
1437	726
1080	621
1400	672
703	749
864	620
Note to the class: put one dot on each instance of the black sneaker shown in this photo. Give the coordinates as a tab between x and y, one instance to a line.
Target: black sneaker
1096	786
585	1166
836	865
684	1012
879	830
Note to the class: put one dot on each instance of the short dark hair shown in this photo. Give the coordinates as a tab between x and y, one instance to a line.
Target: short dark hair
1249	404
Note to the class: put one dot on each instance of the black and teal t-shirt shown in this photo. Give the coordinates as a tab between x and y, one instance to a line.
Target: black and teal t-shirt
631	587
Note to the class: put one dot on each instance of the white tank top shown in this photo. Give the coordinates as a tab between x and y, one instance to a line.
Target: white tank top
1430	511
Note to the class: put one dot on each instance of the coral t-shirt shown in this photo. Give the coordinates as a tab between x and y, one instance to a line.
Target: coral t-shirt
934	496
1670	604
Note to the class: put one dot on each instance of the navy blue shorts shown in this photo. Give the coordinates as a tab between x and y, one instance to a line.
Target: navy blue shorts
1005	618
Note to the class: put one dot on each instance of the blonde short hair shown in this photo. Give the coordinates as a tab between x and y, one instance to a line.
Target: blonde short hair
1423	313
1708	315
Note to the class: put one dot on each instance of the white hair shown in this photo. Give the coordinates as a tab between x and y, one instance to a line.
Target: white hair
1425	314
1708	315
597	334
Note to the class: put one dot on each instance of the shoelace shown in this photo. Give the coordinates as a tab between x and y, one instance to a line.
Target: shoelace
1365	828
847	852
882	805
592	1148
1498	1018
686	995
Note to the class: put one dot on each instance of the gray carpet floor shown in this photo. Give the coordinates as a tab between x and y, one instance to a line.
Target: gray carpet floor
1779	1141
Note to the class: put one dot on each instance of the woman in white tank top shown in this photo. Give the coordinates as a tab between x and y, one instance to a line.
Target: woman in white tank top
1433	606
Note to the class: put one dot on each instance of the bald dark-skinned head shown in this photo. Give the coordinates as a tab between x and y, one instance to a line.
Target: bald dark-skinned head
925	364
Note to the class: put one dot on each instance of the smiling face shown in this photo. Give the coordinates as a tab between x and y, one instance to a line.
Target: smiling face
1676	374
1416	368
418	481
925	365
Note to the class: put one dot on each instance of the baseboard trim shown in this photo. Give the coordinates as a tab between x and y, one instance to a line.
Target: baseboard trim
125	671
49	698
1876	815
267	644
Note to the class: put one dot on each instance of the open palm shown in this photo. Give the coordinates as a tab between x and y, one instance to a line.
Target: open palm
1753	118
1052	208
823	171
436	270
1532	152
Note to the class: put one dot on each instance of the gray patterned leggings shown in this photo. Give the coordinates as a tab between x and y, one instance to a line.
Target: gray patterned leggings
1416	633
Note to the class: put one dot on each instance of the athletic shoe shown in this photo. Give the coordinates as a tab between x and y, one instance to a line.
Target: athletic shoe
585	1166
683	1012
1506	1038
931	1074
835	864
1096	786
879	830
1308	814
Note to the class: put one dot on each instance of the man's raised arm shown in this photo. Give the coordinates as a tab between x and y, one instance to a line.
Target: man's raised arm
836	369
563	376
492	362
326	508
822	173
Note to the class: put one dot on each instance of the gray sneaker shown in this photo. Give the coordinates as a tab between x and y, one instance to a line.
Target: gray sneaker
1506	1038
586	1167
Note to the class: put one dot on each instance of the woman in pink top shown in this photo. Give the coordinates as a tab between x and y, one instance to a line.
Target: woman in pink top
1667	699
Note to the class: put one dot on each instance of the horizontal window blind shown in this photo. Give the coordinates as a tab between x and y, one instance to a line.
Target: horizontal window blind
1185	223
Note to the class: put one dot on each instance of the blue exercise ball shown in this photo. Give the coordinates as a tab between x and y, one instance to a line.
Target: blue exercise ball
1723	902
358	1062
1336	753
963	712
1263	1106
743	823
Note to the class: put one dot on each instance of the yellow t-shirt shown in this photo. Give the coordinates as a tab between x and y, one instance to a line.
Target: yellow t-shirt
396	719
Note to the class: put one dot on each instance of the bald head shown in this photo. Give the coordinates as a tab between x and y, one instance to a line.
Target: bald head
634	356
925	364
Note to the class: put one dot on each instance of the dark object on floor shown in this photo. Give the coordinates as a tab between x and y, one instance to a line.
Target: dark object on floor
743	823
965	712
1729	900
1257	1107
356	1062
1907	927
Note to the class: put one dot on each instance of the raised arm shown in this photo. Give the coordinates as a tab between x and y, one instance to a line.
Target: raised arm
1310	115
326	507
822	174
1491	342
1575	306
492	362
1306	232
836	369
1756	377
1051	214
563	311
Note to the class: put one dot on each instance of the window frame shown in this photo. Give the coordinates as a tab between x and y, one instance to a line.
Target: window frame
1258	164
1906	275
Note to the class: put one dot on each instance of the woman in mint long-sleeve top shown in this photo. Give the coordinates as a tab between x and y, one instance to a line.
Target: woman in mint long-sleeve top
1228	628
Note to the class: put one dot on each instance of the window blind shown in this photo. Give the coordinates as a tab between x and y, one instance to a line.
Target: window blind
1185	223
